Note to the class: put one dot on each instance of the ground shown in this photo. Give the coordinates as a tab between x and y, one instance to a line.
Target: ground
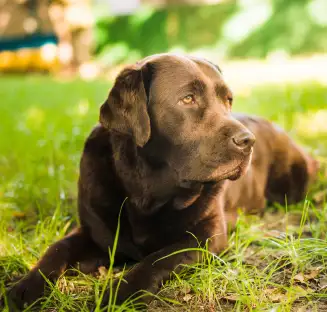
277	263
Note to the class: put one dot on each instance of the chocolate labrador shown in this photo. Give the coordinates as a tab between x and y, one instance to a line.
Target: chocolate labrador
162	163
280	172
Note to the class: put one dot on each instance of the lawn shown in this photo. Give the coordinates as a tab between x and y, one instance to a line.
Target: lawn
278	263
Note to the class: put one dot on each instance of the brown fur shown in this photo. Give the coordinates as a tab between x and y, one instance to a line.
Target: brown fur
280	171
175	163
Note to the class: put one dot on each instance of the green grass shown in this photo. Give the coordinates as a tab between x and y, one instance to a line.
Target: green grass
278	263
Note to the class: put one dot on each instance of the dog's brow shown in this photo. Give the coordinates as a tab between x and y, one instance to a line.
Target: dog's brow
195	84
222	89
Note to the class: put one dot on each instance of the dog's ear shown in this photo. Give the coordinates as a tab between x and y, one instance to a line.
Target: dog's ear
125	110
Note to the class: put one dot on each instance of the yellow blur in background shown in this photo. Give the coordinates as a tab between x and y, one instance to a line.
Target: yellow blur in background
41	59
46	36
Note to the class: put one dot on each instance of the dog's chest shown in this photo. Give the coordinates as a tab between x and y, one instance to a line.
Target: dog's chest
153	232
167	225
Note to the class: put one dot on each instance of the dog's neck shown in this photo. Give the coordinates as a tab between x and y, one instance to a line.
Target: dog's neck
146	187
149	186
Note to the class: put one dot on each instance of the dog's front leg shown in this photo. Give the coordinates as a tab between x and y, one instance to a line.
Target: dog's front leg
76	246
156	268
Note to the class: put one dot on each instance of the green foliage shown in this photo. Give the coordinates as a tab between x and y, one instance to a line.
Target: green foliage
231	28
290	28
43	126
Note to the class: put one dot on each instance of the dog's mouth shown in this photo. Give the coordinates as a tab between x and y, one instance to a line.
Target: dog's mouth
240	170
218	173
233	174
230	175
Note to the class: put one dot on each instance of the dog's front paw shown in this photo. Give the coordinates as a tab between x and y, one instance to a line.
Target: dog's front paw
25	292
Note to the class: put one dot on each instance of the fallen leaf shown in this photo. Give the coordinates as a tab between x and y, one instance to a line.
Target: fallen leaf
275	295
269	290
187	297
278	297
299	277
232	297
103	271
313	274
303	278
118	274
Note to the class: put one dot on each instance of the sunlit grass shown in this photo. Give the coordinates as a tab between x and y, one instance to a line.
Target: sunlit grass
277	263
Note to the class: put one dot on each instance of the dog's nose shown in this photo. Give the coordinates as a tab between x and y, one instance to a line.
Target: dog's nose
244	141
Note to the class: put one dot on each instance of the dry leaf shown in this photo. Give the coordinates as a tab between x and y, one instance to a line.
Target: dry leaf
118	274
313	274
232	297
302	278
103	272
299	277
275	295
269	290
278	297
187	297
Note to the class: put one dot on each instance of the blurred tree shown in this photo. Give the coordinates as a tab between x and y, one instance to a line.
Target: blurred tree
232	28
291	29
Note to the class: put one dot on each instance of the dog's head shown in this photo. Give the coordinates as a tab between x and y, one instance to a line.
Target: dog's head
178	110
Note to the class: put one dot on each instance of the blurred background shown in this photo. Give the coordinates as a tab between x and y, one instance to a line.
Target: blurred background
91	38
58	59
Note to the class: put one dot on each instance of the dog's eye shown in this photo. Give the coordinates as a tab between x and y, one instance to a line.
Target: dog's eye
188	100
230	100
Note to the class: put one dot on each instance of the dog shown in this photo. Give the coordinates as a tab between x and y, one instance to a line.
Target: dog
280	172
168	159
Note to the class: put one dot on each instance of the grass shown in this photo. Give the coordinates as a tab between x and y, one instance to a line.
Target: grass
277	263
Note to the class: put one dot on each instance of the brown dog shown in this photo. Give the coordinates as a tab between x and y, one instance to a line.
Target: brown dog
168	143
280	171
